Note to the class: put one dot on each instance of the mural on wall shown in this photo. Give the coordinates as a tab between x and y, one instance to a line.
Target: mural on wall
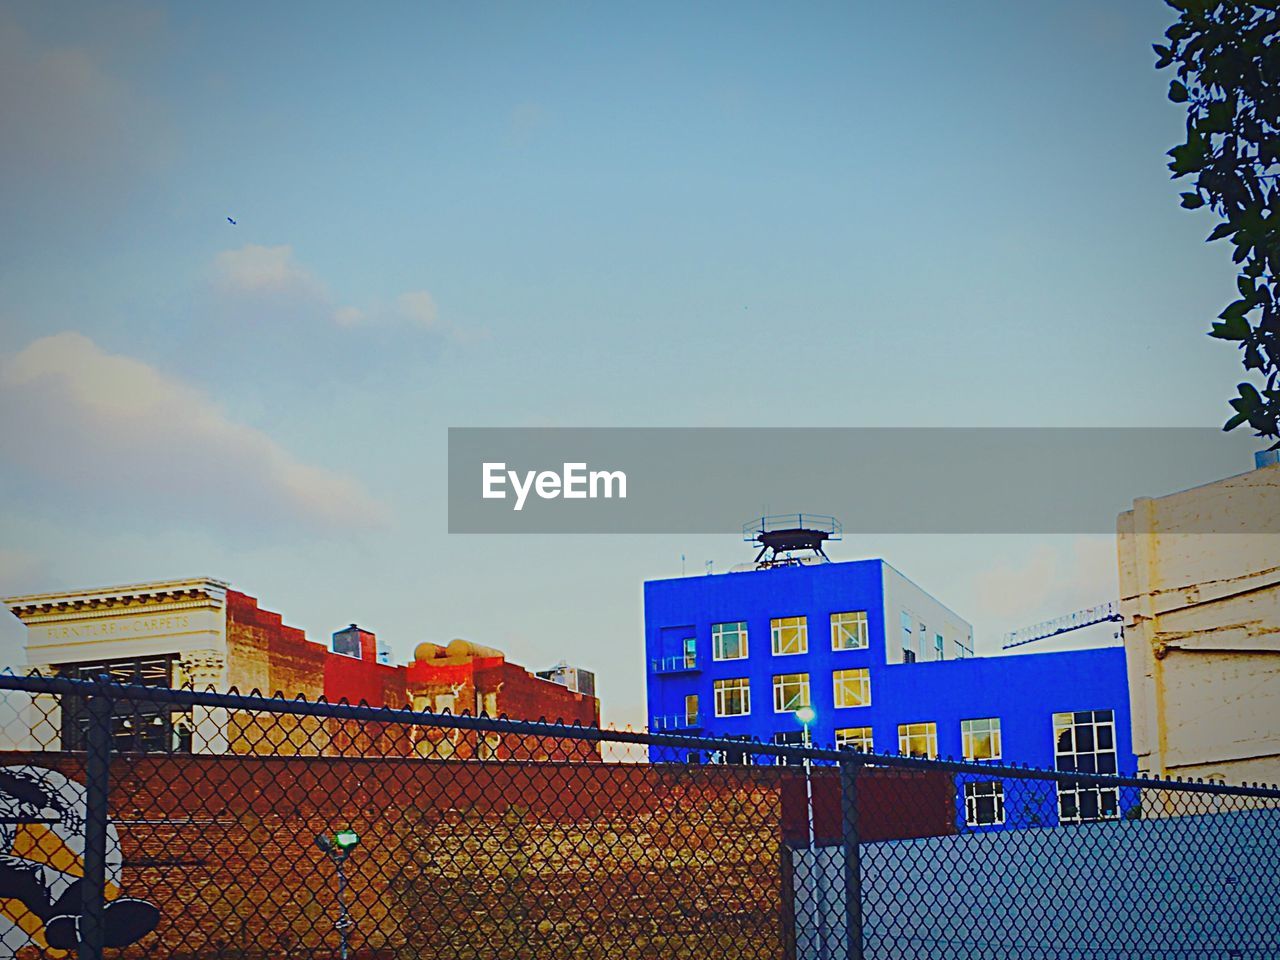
42	818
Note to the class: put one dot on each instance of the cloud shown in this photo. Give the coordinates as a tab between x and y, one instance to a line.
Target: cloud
272	276
113	430
258	270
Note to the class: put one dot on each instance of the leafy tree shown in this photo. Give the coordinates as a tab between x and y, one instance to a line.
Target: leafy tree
1226	54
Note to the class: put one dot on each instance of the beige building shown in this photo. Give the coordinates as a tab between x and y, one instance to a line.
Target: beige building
1200	596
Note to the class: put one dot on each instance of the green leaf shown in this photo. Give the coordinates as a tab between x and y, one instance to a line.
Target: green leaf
1220	231
1234	422
1219	117
1178	92
1192	201
1235	328
1236	310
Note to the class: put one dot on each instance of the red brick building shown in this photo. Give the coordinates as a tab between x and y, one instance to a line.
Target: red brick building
203	634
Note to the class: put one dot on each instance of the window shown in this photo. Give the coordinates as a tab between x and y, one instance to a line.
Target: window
854	738
852	687
733	697
790	635
1085	742
691	652
346	643
849	630
137	726
790	692
984	803
980	739
939	647
691	710
908	642
918	740
792	738
728	641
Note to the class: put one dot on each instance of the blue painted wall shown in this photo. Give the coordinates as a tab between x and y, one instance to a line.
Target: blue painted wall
1024	691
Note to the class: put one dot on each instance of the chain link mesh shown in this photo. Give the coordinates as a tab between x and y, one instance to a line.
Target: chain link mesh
246	827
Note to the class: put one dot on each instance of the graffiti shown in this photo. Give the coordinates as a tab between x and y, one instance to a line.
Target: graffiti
42	820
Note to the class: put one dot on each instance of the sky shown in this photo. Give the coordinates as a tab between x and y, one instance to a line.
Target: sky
568	214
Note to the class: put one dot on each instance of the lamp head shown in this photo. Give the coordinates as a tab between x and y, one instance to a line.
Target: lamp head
346	840
806	715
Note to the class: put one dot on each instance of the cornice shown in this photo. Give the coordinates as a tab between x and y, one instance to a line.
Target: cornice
124	600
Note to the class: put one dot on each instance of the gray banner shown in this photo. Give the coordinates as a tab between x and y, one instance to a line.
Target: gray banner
876	480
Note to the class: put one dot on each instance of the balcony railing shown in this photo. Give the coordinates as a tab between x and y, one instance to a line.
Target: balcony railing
676	721
677	664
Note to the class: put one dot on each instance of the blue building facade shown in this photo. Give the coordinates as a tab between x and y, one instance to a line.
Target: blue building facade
886	668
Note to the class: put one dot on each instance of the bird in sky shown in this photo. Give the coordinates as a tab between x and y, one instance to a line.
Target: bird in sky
230	221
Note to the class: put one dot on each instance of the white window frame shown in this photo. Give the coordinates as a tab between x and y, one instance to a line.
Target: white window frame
719	631
790	738
839	680
923	728
841	632
970	730
909	654
976	790
780	626
723	690
855	738
1103	796
799	699
939	647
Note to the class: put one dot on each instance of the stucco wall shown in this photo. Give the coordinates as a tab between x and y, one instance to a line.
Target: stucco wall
1202	629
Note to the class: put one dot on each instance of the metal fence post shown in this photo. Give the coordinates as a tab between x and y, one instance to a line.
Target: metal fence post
97	786
849	769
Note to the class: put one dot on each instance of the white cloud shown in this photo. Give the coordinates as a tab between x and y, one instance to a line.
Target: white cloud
273	274
418	307
257	269
118	432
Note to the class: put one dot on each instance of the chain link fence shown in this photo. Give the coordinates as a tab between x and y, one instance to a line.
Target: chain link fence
145	822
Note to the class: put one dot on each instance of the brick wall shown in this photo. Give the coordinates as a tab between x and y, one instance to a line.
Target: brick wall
492	860
265	654
468	860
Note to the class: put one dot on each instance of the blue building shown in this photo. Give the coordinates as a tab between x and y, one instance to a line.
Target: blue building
886	668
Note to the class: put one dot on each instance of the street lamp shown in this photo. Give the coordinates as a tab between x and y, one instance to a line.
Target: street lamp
806	715
338	847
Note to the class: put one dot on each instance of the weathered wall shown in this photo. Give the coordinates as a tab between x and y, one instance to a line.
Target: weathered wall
1202	629
457	859
501	861
266	655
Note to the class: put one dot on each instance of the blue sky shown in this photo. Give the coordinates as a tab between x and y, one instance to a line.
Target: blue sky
562	214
